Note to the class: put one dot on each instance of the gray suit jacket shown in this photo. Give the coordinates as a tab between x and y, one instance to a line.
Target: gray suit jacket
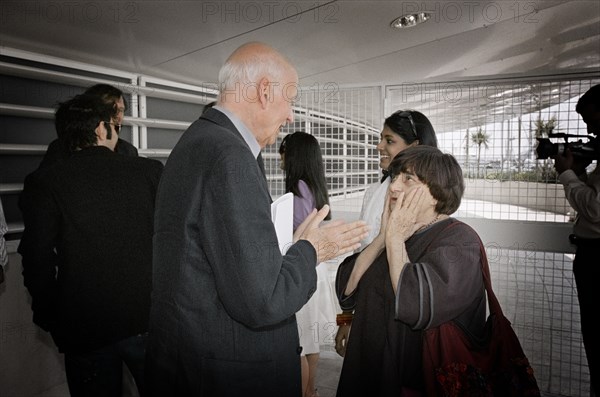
224	299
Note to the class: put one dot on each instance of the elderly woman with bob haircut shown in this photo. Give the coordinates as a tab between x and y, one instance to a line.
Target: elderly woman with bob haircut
384	285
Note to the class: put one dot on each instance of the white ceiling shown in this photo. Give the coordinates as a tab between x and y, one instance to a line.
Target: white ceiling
341	42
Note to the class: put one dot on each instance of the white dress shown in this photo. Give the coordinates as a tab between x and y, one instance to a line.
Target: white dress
308	316
316	319
309	327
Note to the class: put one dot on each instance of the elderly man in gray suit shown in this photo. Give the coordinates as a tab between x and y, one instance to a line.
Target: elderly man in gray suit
224	298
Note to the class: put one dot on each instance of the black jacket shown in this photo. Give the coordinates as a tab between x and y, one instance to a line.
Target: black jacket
224	299
87	246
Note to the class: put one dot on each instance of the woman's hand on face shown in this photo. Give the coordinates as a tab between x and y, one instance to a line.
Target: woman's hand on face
402	221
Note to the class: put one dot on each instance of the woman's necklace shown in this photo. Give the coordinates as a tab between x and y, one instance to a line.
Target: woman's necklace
434	220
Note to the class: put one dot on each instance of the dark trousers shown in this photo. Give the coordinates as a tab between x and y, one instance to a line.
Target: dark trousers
586	269
100	372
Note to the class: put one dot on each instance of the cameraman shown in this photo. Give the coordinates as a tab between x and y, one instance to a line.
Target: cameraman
583	193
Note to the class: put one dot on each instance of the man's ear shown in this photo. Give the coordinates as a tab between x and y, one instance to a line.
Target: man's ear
264	92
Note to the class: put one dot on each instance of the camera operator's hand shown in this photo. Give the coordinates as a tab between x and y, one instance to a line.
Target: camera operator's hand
563	162
570	162
580	164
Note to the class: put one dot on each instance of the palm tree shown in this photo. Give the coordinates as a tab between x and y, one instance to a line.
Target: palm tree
480	138
467	165
541	130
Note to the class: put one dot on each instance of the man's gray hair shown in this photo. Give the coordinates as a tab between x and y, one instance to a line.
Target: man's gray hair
250	71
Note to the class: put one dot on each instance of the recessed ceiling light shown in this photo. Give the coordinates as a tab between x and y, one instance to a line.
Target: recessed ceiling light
409	20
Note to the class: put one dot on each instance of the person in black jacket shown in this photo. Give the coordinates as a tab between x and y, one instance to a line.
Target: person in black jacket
87	249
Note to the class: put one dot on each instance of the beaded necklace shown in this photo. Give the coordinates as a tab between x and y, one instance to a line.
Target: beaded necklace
434	220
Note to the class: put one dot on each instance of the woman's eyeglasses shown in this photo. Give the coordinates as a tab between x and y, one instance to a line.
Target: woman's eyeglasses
408	115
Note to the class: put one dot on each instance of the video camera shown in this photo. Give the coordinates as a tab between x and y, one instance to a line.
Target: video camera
589	150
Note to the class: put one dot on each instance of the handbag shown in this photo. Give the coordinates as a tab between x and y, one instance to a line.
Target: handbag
457	363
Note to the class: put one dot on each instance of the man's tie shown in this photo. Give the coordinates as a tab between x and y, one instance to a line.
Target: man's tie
261	164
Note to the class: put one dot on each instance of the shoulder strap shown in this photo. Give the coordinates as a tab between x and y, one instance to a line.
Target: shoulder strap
493	303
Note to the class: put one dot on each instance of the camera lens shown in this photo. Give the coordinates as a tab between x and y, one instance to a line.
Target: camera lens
545	148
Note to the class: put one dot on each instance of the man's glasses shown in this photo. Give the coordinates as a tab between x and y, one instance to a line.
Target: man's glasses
117	126
408	115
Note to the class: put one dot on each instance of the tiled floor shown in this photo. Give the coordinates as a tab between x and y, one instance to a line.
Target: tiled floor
328	373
